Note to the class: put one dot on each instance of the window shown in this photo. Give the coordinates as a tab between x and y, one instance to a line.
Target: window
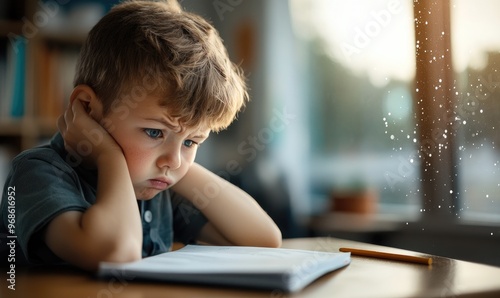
407	102
476	53
362	68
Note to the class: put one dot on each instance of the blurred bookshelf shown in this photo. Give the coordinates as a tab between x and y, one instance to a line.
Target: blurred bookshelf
36	70
39	45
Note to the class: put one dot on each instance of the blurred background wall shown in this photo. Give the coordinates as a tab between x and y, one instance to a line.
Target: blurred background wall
373	120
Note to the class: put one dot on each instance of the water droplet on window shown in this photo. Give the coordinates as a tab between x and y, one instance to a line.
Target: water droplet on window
392	137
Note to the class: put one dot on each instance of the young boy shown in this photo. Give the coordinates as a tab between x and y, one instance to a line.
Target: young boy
119	182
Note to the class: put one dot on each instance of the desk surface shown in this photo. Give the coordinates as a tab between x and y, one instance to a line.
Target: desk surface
364	277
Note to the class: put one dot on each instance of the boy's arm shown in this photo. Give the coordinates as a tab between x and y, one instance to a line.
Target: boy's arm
234	216
109	230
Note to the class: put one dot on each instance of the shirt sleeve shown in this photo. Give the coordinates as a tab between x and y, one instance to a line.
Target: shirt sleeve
188	220
44	188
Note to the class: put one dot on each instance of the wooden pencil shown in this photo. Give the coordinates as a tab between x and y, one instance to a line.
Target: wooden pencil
385	255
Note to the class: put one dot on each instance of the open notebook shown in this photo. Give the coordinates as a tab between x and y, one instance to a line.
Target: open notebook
238	266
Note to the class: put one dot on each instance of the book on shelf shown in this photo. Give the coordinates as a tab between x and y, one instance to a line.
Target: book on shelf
19	77
12	77
54	79
288	270
4	81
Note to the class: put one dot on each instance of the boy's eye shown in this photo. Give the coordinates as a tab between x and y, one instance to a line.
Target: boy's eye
153	133
189	143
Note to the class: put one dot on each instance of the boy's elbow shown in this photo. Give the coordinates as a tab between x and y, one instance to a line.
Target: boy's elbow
276	239
123	253
272	239
278	242
130	253
263	238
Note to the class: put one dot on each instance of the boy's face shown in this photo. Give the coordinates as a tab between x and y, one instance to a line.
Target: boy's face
157	154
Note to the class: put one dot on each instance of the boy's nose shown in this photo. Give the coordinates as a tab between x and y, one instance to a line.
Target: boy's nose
170	159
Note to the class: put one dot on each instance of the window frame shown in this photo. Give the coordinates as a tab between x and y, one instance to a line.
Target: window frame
434	111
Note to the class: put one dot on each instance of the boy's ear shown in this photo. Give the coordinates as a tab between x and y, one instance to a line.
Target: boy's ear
86	95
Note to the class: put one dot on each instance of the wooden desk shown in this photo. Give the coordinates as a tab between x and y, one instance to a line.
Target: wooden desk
364	277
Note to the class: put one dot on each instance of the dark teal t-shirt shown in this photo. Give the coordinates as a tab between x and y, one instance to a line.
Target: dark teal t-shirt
48	181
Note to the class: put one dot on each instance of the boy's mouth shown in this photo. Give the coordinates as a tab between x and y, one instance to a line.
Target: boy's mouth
159	183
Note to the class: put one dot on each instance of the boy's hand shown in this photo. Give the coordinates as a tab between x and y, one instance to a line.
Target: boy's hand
84	136
114	220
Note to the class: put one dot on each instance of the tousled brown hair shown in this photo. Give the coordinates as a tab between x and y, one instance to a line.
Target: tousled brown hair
159	48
